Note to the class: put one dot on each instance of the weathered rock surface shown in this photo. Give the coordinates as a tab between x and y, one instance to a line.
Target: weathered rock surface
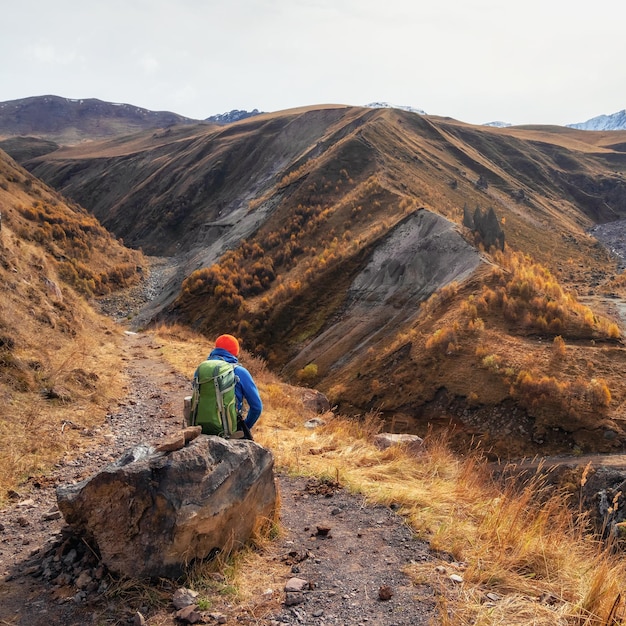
412	442
315	401
151	513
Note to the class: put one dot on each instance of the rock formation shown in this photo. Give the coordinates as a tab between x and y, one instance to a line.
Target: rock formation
151	513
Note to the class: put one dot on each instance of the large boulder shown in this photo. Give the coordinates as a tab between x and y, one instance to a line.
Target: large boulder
151	513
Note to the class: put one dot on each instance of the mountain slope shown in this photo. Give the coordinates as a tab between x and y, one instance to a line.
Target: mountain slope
318	235
58	359
68	122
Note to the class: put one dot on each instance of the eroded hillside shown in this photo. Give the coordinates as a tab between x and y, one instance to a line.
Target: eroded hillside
319	235
58	359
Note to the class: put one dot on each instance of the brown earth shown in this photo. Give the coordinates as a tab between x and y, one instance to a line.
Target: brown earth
348	568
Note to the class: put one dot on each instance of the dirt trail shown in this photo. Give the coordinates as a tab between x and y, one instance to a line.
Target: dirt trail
366	549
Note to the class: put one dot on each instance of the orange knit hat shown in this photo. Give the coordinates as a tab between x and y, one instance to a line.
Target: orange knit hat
229	343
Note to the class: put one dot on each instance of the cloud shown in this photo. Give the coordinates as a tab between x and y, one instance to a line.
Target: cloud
149	64
51	55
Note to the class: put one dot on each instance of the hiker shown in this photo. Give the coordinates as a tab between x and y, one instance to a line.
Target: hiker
227	350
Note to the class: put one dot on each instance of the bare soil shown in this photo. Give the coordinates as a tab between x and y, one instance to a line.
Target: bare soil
351	555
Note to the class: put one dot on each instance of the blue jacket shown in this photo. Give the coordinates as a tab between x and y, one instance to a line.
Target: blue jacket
245	389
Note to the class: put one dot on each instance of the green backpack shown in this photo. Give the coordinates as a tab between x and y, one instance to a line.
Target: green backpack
213	403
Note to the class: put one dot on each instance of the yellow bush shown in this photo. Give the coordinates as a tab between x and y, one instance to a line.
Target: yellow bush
559	346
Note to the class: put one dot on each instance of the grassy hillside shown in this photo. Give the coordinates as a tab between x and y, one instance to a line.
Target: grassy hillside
277	219
59	363
530	547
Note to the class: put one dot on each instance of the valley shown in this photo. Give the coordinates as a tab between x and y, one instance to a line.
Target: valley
426	275
335	242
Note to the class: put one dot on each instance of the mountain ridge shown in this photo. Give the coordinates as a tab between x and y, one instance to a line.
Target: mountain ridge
276	221
615	121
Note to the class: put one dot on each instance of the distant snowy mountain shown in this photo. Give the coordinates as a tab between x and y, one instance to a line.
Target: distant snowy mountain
498	124
386	105
232	116
616	121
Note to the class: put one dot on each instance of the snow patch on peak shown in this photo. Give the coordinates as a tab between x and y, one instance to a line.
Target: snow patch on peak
387	105
616	121
498	124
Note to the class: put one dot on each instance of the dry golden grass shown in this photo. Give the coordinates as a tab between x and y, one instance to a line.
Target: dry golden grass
34	431
521	542
60	362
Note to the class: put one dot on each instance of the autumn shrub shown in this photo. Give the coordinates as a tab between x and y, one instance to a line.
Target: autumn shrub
558	344
443	340
491	362
307	374
599	393
527	294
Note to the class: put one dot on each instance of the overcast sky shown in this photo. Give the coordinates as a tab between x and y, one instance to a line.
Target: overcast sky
530	61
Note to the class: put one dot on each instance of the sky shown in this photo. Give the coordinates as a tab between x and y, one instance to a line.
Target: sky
530	62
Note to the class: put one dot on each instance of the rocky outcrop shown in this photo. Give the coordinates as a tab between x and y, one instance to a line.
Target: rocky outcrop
487	226
152	513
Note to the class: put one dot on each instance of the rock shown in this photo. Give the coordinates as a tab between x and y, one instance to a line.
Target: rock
191	432
323	530
84	579
218	618
172	443
412	443
184	597
314	400
172	509
293	598
178	440
456	578
296	584
52	514
189	614
314	423
385	593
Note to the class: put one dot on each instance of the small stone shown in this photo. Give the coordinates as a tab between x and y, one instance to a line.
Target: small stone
70	557
456	578
440	569
189	614
314	423
26	503
191	432
296	584
318	613
218	618
83	579
494	597
171	443
52	514
184	597
322	531
385	592
292	598
22	521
